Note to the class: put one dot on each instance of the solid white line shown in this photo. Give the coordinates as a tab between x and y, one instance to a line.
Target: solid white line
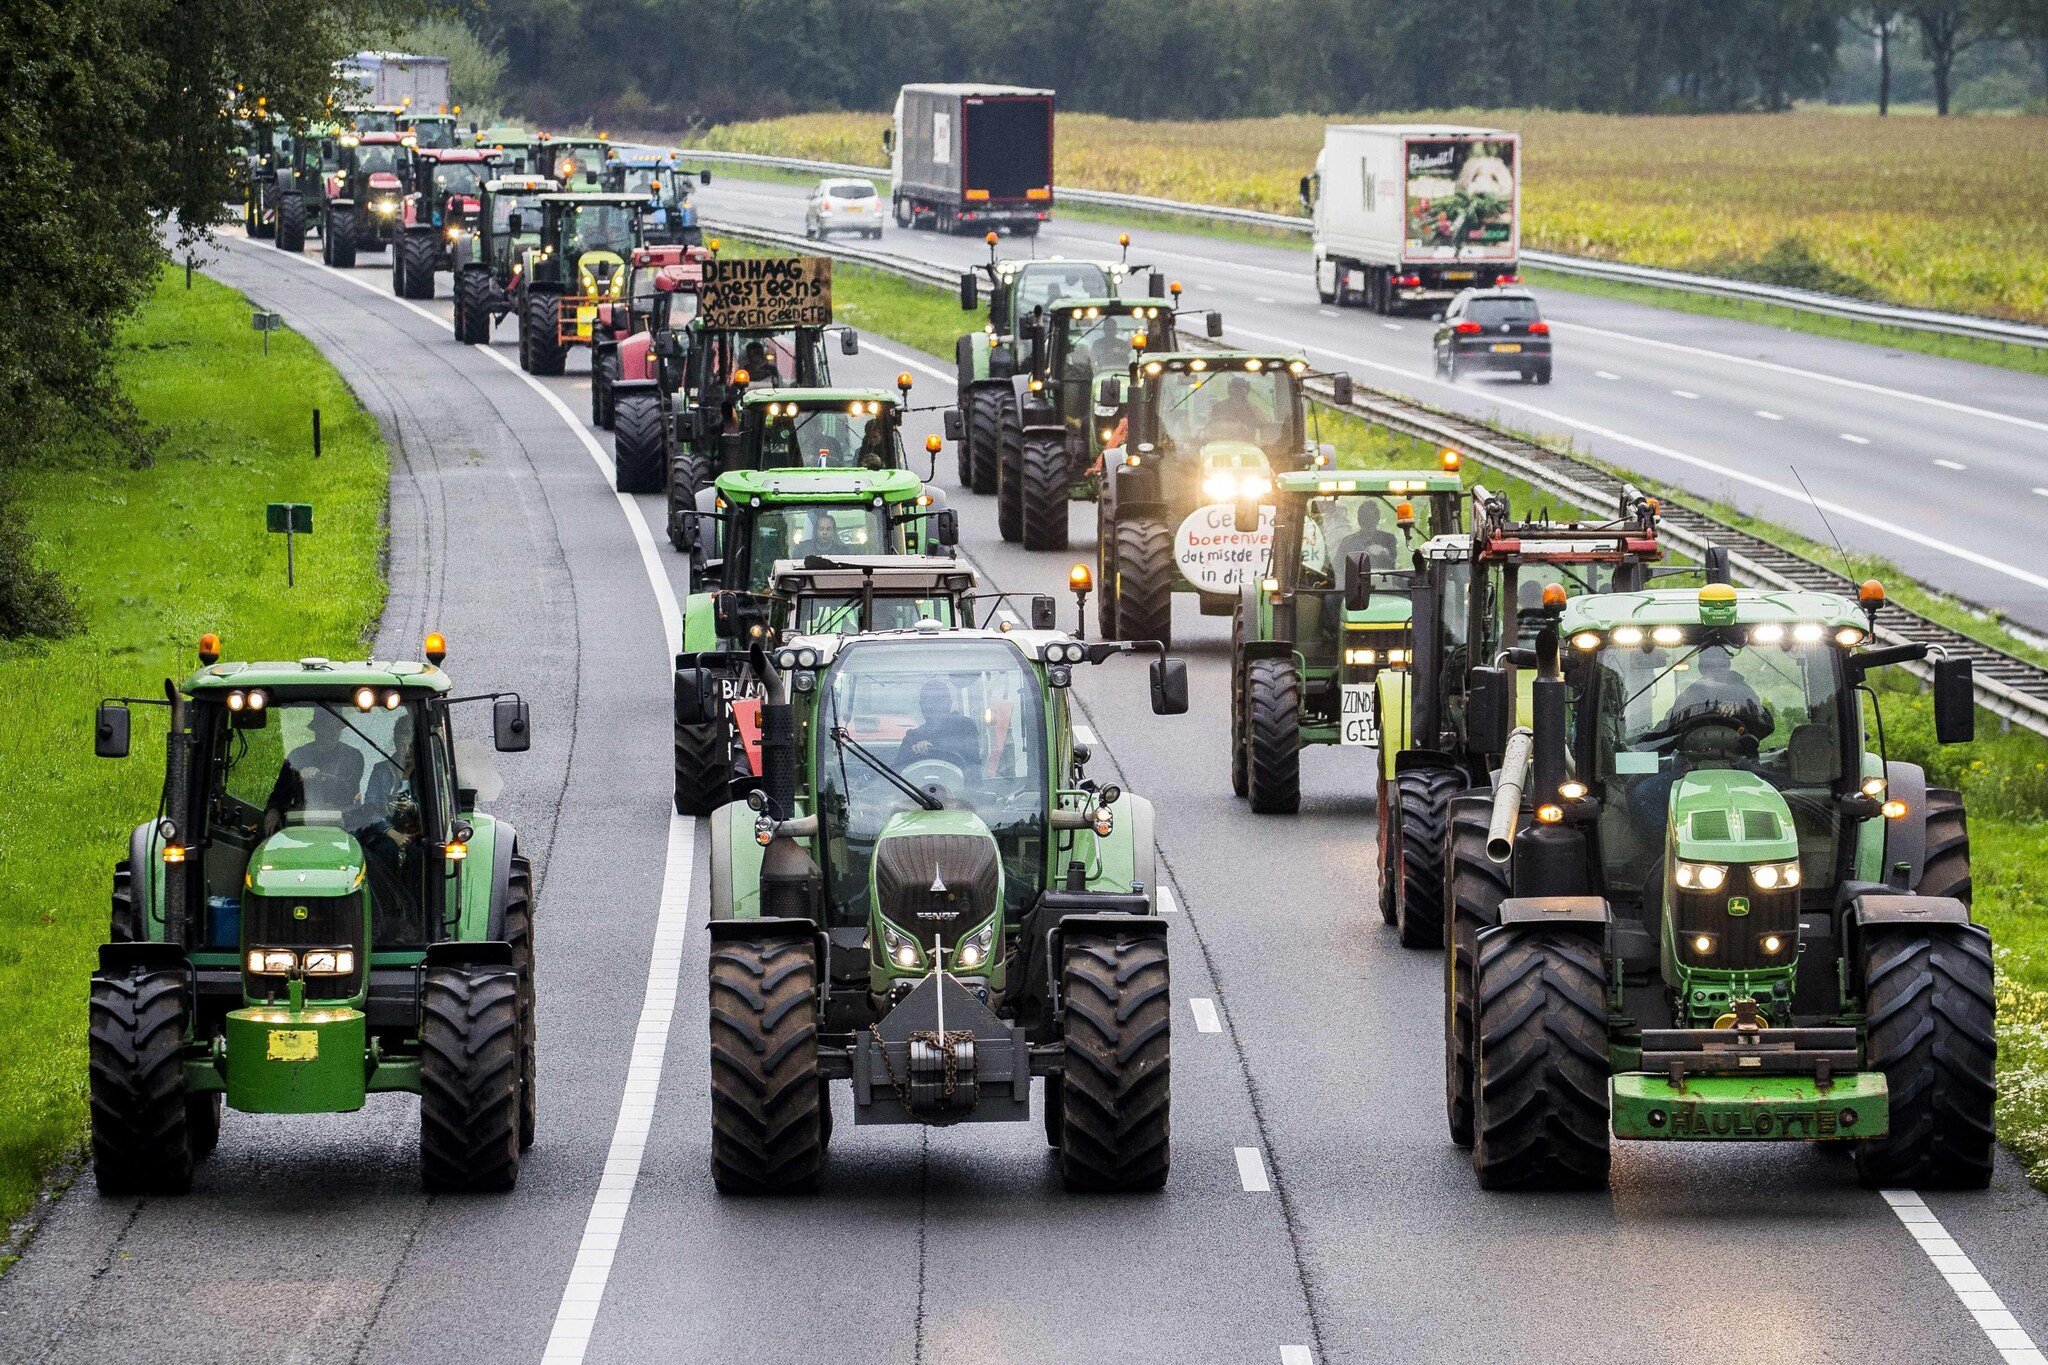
1329	312
1163	895
1604	374
1951	464
1684	393
1297	1355
1085	735
1204	1010
1391	326
1854	439
906	358
1971	1289
1251	1171
1258	300
1769	416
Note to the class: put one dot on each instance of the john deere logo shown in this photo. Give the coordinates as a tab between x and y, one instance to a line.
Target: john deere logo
299	912
1738	905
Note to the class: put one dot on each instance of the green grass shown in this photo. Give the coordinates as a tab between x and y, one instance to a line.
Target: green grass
157	553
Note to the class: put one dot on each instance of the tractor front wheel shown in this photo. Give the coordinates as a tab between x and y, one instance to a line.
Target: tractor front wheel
703	767
767	1132
1421	799
1010	475
1144	581
1474	886
473	306
984	437
337	238
540	340
1115	1111
1930	1017
412	266
1272	707
1945	871
291	223
518	932
1540	1108
604	370
636	443
1042	490
141	1115
127	925
471	1058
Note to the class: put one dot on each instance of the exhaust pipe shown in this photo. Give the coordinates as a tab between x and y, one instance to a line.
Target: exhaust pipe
1507	795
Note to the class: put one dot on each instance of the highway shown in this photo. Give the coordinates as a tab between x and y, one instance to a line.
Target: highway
1316	1211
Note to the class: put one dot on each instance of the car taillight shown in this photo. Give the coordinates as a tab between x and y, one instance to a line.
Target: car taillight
1408	281
1541	329
1468	329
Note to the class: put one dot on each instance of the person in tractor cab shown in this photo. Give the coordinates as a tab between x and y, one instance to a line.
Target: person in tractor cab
1721	692
1371	537
945	735
825	539
874	444
759	363
1235	416
323	775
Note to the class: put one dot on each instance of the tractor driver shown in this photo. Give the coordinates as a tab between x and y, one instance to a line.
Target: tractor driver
945	736
759	363
874	444
825	539
1719	691
325	774
1370	537
1235	416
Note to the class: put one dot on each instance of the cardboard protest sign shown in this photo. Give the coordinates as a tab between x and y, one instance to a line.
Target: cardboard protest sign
766	291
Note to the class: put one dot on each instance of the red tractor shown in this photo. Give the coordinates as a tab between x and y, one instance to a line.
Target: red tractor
622	335
444	196
364	197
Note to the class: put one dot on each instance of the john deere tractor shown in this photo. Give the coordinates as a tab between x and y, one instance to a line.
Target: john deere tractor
670	216
303	178
316	913
1320	639
443	204
487	262
1201	431
578	265
1477	595
754	522
622	358
364	198
1729	917
929	898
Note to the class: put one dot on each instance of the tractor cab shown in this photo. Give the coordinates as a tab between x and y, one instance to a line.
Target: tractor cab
372	118
818	429
430	132
517	150
577	162
861	594
445	186
369	171
671	217
509	221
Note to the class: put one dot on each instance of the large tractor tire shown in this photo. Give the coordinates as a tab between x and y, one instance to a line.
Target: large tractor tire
540	343
604	368
291	223
1540	1107
1144	581
1946	871
473	307
141	1111
1272	712
767	1131
518	932
1115	1111
688	473
1010	475
1240	774
412	265
1412	852
1930	1017
471	1058
1042	490
637	447
338	239
1474	887
984	437
703	767
127	924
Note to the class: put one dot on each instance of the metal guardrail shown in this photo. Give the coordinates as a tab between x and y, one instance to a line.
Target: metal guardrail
1801	300
2008	686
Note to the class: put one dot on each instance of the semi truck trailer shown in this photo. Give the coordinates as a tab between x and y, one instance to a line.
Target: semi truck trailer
967	158
402	78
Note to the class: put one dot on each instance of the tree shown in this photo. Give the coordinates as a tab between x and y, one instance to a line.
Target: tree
1947	30
1880	22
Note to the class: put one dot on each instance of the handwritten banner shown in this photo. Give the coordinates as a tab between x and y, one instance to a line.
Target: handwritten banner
766	291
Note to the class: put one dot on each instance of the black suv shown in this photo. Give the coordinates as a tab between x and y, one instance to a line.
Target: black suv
1493	329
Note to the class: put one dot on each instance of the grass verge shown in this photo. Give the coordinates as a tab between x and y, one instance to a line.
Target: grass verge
156	552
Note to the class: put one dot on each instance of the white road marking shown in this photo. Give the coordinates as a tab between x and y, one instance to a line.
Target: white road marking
1971	1289
1684	393
1251	1171
1204	1010
1604	374
1391	326
1297	1355
1085	735
1329	312
1853	439
1951	464
1163	894
1769	416
906	358
2042	491
1260	300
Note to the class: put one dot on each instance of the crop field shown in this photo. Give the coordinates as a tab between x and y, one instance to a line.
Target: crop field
1941	213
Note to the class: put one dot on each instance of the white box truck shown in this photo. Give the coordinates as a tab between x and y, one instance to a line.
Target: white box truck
963	158
1407	214
401	78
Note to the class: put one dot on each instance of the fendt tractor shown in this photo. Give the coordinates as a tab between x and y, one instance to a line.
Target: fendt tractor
929	898
1200	433
578	265
443	202
622	359
1476	596
1320	637
486	262
576	162
670	217
364	195
754	522
316	913
1730	918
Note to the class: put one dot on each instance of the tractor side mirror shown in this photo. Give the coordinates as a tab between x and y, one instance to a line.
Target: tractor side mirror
511	727
1244	517
1487	703
1105	392
1302	189
849	342
1955	701
1358	580
1169	687
1215	325
999	310
694	696
970	292
888	139
727	614
110	730
1716	565
953	422
1043	614
1340	390
1157	286
704	176
946	527
515	224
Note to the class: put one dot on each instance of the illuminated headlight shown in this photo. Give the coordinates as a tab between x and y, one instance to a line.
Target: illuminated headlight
330	961
1254	486
258	700
1771	876
1848	637
1219	487
384	207
455	234
1628	637
1586	641
366	699
1703	944
272	961
975	949
236	701
1704	876
1807	632
1666	635
1770	633
902	951
1365	658
1873	787
1772	944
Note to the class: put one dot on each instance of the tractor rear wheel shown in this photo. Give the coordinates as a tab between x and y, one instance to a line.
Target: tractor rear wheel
473	306
1929	1032
767	1135
1117	1024
337	235
1272	707
1474	887
470	1064
1143	582
1540	1107
412	261
127	925
984	437
636	444
1010	475
141	1121
291	223
1946	871
1042	490
1422	799
518	932
604	370
540	340
703	766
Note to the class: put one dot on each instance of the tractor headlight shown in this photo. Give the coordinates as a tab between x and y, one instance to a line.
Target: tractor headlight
272	961
1771	876
1224	486
384	207
1219	488
330	961
901	950
1772	944
974	950
455	234
1704	876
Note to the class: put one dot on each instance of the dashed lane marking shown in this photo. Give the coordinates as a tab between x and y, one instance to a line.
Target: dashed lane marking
1951	464
1971	1289
1251	1171
1853	439
1085	735
1167	904
1683	393
1297	1355
1605	374
1391	326
1204	1010
1769	416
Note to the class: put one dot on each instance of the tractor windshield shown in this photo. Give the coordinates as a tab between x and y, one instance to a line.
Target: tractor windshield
798	532
831	438
961	719
1199	408
1662	710
374	120
840	614
377	158
597	227
1099	345
1044	283
433	133
656	182
465	178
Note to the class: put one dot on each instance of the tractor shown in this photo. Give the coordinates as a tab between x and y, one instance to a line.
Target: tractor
371	118
431	132
486	262
756	520
363	199
671	218
622	335
578	265
929	898
316	912
576	162
1477	595
1727	917
1201	432
1320	638
517	149
269	150
302	180
443	201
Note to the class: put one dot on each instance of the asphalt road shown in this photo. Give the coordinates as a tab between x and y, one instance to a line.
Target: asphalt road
1316	1210
1939	466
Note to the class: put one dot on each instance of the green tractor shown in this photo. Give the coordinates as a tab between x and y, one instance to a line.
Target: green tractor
268	151
755	522
1320	641
1728	917
1202	432
432	132
317	913
302	176
928	898
1475	596
577	163
578	265
486	261
518	150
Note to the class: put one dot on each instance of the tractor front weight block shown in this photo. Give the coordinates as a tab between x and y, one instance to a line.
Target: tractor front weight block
1750	1108
310	1060
941	1057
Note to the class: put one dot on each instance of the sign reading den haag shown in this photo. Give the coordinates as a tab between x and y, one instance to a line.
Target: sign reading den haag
766	291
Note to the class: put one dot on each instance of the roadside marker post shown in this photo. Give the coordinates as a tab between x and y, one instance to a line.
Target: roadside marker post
292	520
265	323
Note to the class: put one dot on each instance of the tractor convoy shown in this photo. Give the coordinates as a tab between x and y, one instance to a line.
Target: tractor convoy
1681	891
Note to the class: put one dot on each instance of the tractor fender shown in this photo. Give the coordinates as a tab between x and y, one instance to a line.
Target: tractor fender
145	873
1587	913
735	864
970	361
1905	839
700	627
636	359
469	953
119	959
1035	411
1131	490
1265	649
1419	760
723	930
1125	861
503	838
1878	907
625	386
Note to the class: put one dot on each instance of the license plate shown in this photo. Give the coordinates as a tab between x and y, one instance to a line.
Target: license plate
294	1045
1359	730
1506	347
1458	274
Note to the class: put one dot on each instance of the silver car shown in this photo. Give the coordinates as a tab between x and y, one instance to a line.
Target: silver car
843	206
